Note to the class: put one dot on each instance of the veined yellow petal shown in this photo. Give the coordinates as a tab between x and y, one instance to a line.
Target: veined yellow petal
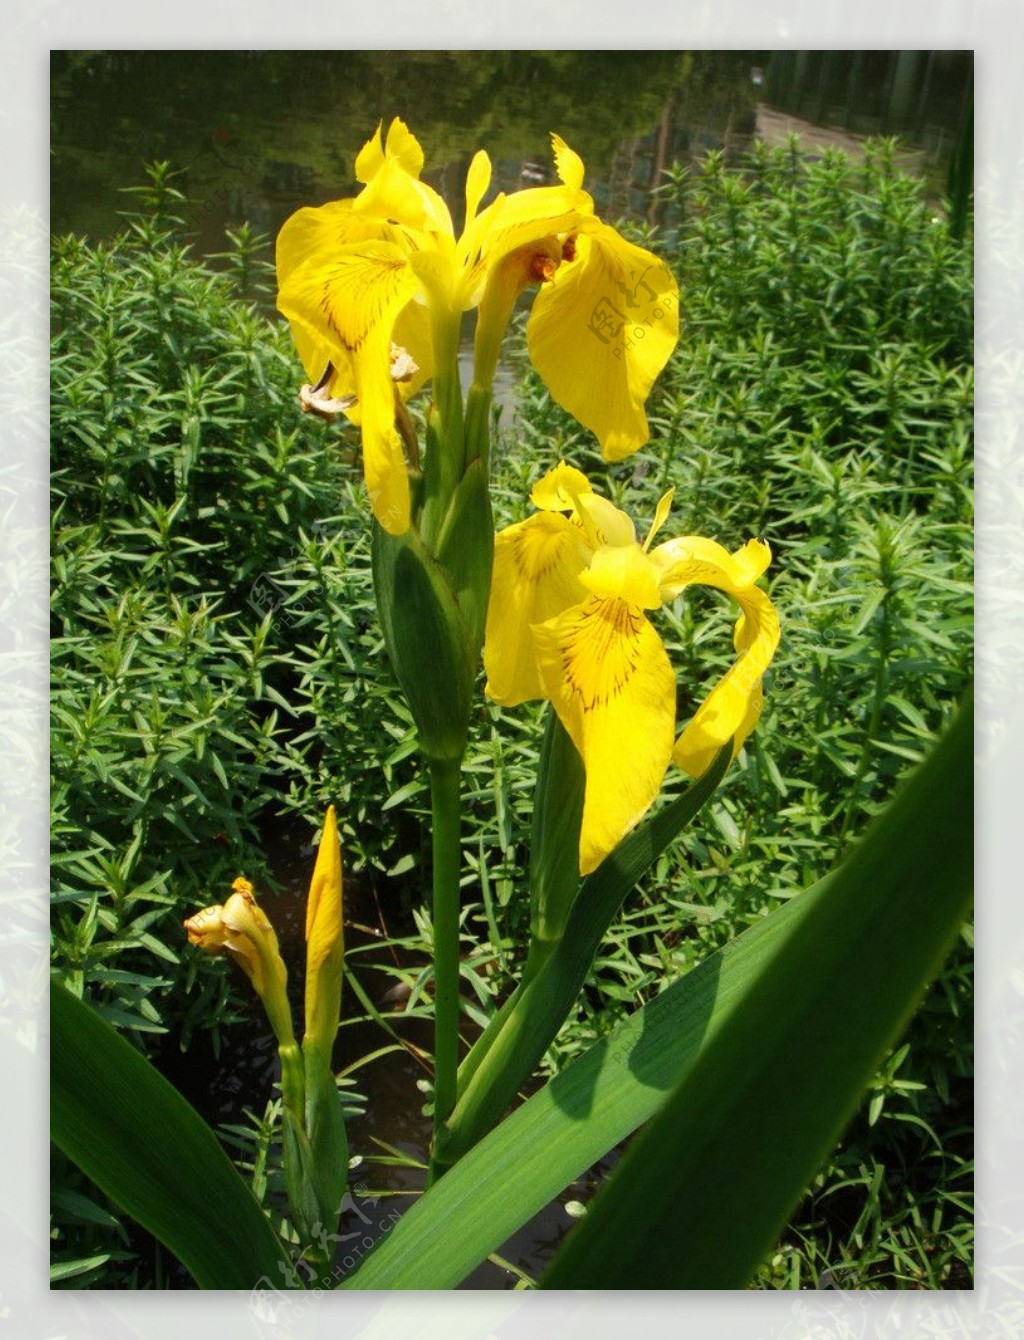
352	306
607	675
733	706
600	333
339	300
537	563
308	239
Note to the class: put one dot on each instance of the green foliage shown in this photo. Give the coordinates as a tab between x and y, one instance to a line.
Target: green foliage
218	665
820	397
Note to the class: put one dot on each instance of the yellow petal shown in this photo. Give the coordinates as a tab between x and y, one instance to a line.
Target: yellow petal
370	158
206	929
513	221
692	559
559	488
607	675
308	239
732	708
568	165
605	522
393	192
403	148
600	333
624	571
536	576
566	489
660	516
352	304
478	179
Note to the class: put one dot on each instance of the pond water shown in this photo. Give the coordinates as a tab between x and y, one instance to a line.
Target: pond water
259	134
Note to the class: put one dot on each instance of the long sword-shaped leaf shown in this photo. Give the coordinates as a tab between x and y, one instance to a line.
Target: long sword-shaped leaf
699	1199
131	1131
622	1081
529	1022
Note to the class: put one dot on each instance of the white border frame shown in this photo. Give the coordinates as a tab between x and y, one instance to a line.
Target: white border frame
994	29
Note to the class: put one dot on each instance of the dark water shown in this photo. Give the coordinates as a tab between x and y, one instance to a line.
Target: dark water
258	134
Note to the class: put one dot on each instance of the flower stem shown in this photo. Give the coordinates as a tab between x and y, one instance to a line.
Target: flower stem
445	802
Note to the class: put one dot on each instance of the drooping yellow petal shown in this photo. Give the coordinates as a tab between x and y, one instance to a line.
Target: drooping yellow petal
351	305
608	677
692	559
537	563
733	706
310	240
600	333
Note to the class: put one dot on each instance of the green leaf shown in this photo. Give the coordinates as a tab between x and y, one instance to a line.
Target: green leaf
868	937
63	1270
699	1199
134	1135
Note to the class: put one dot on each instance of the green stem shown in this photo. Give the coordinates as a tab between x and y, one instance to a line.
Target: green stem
478	423
445	799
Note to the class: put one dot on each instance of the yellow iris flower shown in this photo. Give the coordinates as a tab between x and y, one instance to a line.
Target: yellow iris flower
374	288
567	622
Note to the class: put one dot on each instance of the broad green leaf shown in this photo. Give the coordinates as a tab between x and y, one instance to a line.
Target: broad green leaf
867	938
131	1131
698	1200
